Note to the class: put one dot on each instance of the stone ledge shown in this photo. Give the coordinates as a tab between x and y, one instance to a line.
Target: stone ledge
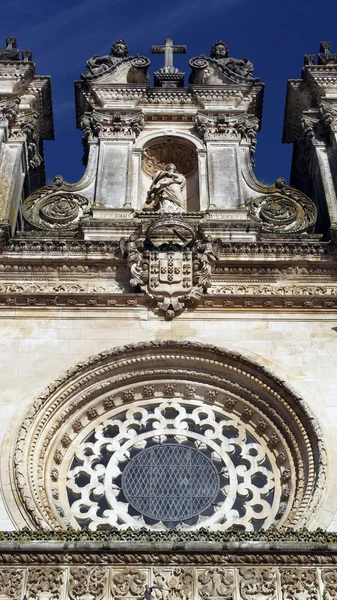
168	547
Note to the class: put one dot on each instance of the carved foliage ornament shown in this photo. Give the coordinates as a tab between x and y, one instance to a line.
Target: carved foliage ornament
116	125
154	577
262	451
53	207
172	265
285	211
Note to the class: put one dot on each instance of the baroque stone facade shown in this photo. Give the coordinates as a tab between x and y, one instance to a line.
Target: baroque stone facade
168	336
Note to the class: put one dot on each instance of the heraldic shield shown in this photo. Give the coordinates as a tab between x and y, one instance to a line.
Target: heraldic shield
170	273
172	264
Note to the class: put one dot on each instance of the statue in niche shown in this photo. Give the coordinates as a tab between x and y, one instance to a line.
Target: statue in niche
240	66
165	193
97	65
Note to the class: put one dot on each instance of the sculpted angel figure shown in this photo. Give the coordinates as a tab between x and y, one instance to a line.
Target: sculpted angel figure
240	66
165	193
97	65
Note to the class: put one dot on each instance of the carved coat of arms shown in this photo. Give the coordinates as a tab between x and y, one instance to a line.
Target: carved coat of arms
172	265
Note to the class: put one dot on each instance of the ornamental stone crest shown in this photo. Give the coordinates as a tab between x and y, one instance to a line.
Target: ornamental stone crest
172	264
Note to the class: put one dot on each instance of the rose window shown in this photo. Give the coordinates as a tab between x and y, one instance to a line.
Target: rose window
173	463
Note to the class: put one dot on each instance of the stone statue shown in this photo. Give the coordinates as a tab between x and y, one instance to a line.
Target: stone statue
165	193
240	66
97	65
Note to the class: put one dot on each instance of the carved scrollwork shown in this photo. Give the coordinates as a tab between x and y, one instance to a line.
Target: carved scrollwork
198	62
140	62
53	208
285	211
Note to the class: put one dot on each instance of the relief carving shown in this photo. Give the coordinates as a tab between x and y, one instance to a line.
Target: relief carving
329	579
46	582
172	584
299	584
217	583
172	265
257	584
11	581
129	583
87	583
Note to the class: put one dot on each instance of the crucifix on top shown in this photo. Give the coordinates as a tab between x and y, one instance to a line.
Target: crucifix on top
169	76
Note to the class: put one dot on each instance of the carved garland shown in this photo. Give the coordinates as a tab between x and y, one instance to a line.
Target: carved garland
149	374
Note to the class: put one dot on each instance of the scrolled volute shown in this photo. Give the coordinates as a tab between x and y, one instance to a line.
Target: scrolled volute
55	208
198	62
140	62
287	211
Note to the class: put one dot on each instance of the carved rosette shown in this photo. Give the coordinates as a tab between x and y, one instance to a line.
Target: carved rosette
257	441
286	211
54	208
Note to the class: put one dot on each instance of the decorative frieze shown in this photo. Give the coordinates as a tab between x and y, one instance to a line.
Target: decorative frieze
166	577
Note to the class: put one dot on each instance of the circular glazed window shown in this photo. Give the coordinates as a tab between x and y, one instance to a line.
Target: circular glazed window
170	482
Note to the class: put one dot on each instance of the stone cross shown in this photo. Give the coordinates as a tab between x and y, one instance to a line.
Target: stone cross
168	49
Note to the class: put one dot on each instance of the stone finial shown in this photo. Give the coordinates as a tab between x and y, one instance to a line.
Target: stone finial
309	60
326	57
169	75
11	51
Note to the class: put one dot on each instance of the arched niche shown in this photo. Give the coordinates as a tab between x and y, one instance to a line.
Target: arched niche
160	151
262	450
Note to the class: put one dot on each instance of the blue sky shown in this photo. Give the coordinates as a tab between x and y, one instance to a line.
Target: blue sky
274	35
